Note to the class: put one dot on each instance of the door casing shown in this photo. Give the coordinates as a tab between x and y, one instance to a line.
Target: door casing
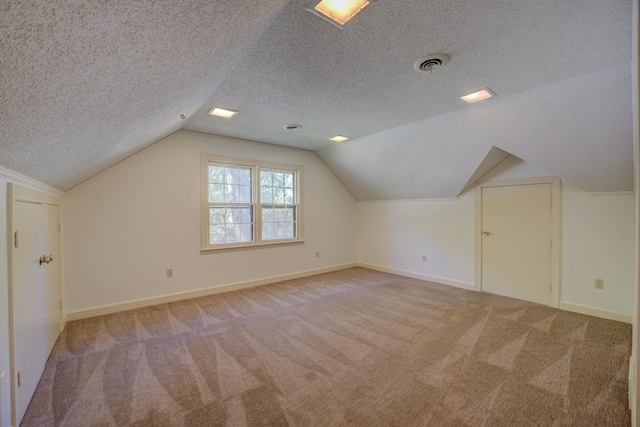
555	228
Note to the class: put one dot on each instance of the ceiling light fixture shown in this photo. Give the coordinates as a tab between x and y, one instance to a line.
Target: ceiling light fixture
223	112
478	96
339	138
292	127
338	12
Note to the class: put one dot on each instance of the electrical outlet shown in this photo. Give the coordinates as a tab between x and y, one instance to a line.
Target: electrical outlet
170	272
599	283
424	258
317	254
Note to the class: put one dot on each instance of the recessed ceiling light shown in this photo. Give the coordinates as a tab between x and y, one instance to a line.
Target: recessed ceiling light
478	96
339	138
223	112
338	12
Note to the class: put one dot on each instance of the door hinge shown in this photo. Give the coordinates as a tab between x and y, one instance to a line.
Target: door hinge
59	227
19	378
60	305
15	239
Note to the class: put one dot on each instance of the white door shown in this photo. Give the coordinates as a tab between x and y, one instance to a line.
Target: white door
516	241
35	297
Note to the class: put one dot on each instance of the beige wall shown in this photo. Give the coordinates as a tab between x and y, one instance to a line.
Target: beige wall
596	237
125	227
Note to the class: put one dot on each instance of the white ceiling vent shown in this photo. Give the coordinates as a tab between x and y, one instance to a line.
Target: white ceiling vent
431	62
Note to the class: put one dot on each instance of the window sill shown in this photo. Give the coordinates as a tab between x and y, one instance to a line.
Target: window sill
251	246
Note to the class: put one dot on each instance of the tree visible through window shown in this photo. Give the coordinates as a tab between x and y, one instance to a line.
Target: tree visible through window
250	203
230	204
278	200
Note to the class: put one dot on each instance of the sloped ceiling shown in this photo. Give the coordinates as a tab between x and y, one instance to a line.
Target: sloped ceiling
86	84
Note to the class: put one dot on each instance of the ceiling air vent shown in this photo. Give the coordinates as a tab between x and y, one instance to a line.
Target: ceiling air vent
431	62
292	127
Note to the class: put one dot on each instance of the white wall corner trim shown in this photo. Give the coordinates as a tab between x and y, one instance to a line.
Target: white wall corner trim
435	279
596	312
162	299
12	176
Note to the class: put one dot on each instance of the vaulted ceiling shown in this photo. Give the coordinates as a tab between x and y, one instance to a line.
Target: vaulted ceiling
86	84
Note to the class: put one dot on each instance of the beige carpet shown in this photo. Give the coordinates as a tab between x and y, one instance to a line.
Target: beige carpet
355	347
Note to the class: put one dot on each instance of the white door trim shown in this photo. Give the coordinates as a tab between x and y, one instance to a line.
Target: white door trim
21	193
555	228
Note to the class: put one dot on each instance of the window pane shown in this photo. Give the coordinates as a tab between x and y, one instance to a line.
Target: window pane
216	193
266	195
231	194
290	215
245	176
288	179
278	195
246	216
267	214
216	234
244	194
215	173
232	174
266	177
232	233
267	231
284	230
235	215
278	179
289	230
216	215
280	215
288	196
246	232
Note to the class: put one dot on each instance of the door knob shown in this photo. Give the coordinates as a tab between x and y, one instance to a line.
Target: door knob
46	259
486	233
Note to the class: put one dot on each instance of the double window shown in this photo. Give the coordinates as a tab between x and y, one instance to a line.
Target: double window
248	203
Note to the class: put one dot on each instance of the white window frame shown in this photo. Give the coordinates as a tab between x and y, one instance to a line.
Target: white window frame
256	166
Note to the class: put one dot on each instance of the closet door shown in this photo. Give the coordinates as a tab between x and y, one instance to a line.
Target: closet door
35	297
516	241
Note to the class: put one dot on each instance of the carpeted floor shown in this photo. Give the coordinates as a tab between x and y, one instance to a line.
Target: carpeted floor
355	347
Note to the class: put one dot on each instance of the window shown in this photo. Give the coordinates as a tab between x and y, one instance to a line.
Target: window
249	203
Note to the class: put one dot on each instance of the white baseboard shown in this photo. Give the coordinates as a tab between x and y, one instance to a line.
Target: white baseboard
440	280
567	306
145	302
597	312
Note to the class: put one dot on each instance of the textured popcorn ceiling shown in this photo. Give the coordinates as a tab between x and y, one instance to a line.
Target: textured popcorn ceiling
85	84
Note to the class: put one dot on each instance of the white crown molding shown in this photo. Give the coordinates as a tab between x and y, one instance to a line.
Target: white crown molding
15	177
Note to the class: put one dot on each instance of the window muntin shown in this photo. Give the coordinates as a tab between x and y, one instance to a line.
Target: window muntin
250	203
